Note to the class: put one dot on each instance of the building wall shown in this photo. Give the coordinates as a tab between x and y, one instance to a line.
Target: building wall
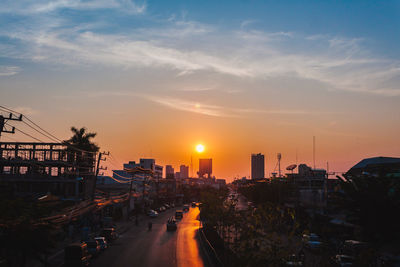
257	166
205	167
169	172
184	172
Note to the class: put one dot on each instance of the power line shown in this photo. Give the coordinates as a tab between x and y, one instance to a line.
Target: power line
59	140
37	139
47	134
52	139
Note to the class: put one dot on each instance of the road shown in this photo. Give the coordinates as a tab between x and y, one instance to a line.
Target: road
140	247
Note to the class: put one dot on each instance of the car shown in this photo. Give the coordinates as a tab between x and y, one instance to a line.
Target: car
160	209
167	206
179	214
76	254
171	224
93	247
172	205
312	241
153	213
354	248
294	260
344	260
194	204
109	233
185	207
102	242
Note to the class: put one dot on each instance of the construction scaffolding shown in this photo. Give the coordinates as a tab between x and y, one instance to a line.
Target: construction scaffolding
35	168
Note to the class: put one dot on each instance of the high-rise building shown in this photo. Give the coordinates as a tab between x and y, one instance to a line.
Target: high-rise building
205	167
169	172
184	172
257	166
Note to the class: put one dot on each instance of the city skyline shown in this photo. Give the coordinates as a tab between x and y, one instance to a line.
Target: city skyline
153	80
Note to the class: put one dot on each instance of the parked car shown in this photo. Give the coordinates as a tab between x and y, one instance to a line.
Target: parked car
76	255
167	206
110	234
102	242
172	205
161	209
93	247
171	224
344	260
312	241
152	213
353	247
294	260
194	204
179	214
185	207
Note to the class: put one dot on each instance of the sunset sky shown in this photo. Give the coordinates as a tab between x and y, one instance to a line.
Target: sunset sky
156	78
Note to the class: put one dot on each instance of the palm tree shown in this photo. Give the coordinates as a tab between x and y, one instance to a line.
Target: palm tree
82	150
82	140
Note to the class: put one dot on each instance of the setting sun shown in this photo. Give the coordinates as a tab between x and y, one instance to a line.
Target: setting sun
199	148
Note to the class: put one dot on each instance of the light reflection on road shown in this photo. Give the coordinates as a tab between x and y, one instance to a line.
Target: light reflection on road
187	251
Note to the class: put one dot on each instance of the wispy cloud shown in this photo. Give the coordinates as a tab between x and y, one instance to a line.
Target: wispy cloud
190	47
9	70
39	7
217	110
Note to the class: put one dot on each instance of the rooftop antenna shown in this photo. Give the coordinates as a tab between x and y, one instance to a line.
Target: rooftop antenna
279	164
314	150
296	156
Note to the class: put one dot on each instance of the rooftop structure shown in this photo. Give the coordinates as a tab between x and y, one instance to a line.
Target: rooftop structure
376	166
38	168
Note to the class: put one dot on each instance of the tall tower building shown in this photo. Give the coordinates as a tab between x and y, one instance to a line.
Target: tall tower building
205	167
169	172
257	166
184	171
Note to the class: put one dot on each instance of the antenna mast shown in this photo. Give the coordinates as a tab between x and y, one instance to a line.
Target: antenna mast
279	164
314	150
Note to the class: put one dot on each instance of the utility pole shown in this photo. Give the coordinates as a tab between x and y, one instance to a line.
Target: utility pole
98	168
3	121
129	197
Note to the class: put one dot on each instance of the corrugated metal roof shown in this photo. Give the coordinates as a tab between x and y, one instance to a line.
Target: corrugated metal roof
374	161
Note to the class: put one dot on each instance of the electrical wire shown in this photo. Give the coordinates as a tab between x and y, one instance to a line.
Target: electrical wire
46	133
37	139
53	139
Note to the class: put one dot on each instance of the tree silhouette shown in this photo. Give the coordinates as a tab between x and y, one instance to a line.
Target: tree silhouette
82	150
82	140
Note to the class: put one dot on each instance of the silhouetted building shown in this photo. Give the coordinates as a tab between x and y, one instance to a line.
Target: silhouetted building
169	172
257	166
378	166
34	169
205	167
149	164
184	172
311	186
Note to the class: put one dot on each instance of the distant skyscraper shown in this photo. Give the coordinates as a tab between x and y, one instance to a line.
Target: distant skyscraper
257	166
184	172
169	172
205	167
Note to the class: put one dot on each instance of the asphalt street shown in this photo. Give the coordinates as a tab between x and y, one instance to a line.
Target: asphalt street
140	247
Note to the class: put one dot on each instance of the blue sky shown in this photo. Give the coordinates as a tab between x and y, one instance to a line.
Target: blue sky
326	68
